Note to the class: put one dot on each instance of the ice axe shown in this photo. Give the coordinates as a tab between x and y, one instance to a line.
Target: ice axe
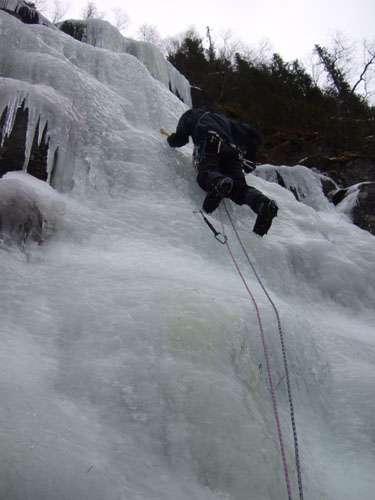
164	132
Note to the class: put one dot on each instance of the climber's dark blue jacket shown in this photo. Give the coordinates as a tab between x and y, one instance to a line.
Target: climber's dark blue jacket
197	122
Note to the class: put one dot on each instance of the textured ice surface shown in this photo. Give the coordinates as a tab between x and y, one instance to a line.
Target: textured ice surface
131	365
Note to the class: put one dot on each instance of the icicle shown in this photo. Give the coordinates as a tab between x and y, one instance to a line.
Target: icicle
51	156
21	100
159	67
13	102
44	105
42	127
32	124
12	5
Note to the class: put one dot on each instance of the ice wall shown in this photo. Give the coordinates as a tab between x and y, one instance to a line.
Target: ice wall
102	34
63	82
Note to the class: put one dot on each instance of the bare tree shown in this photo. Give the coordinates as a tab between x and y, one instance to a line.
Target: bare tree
39	5
367	76
122	19
228	45
211	45
173	43
91	11
263	52
342	64
150	33
57	11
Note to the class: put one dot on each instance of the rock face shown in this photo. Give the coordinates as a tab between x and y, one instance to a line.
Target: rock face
21	219
345	170
75	29
364	212
341	176
29	210
24	11
316	189
351	172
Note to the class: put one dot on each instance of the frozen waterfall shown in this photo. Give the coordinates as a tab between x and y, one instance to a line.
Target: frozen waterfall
131	364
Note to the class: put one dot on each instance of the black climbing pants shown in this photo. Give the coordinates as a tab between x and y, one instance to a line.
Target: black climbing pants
218	159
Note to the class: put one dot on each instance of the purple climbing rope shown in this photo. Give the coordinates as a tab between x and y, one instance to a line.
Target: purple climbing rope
268	365
283	349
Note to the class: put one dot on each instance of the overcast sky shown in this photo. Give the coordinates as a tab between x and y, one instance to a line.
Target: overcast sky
292	26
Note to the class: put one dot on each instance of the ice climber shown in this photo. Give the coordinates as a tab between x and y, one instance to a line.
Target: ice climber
221	144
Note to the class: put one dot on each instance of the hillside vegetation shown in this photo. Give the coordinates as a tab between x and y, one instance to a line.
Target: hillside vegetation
295	116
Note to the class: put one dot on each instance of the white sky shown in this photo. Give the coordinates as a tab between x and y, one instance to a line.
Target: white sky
292	26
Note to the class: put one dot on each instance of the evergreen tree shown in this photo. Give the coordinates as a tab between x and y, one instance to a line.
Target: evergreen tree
278	97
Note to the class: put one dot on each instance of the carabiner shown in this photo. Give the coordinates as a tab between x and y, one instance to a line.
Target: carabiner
223	241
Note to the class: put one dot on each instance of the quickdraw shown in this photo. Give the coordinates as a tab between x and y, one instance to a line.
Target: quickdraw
219	236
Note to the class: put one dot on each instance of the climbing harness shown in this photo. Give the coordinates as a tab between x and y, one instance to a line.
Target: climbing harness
199	151
199	120
223	146
214	140
247	165
224	240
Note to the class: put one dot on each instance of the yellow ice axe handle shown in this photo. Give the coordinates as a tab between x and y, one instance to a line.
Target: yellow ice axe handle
165	132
